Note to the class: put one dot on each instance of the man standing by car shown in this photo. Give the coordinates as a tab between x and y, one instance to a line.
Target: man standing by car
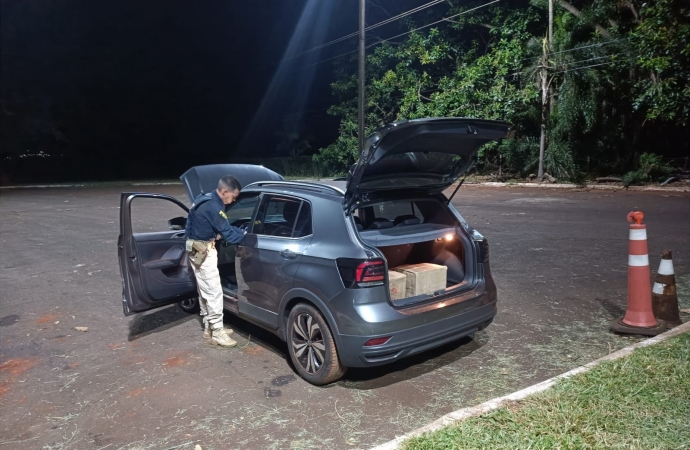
207	223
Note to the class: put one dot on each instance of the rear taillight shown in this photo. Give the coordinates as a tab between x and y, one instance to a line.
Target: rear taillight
357	273
370	272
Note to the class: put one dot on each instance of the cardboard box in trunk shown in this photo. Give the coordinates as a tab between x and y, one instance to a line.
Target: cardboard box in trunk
396	285
423	279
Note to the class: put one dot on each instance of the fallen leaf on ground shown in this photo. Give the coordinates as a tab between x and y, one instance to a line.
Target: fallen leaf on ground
81	328
686	310
57	322
198	447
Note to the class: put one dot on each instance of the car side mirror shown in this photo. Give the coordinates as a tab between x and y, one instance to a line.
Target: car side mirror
177	223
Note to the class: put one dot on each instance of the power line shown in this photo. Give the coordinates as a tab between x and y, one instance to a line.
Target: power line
590	59
438	21
598	44
586	67
407	32
371	27
436	88
574	62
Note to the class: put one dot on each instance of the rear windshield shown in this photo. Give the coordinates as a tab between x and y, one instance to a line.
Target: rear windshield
403	212
421	162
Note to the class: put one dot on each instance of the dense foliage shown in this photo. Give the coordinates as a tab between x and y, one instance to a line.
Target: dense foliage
619	74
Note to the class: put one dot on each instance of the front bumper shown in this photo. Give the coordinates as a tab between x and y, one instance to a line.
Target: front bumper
414	340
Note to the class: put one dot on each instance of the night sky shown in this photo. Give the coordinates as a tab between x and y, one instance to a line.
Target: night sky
137	88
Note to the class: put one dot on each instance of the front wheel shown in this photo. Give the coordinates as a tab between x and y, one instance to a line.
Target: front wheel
191	305
312	347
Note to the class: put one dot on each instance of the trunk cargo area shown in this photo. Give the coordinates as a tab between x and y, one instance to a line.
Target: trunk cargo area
432	264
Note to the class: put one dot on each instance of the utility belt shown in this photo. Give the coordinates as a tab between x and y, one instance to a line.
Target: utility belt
198	250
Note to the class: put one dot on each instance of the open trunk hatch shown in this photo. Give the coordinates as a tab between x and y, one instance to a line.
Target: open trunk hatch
419	154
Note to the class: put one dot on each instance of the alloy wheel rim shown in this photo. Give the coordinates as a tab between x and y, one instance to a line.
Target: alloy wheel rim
189	303
307	343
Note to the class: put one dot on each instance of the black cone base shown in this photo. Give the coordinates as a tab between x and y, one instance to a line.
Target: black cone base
619	327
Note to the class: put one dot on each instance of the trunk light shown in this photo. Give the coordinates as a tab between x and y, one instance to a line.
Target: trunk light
449	237
377	341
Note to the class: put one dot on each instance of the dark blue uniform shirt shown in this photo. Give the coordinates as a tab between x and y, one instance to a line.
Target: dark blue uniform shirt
207	219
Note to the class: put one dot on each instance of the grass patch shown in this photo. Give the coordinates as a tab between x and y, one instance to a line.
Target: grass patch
641	401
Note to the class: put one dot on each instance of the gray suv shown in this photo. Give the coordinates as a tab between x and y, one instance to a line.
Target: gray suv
315	264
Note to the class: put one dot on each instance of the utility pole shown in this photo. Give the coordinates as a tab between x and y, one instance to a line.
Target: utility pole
543	75
362	60
550	24
547	97
552	97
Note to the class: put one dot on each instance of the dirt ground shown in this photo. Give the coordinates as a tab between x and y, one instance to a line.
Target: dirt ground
559	258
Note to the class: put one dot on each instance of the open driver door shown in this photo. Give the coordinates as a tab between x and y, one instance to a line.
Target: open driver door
154	266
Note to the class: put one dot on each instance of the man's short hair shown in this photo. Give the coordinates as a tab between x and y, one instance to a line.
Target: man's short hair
230	183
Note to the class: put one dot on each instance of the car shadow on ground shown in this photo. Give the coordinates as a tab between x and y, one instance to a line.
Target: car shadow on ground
256	335
410	367
365	378
356	378
160	320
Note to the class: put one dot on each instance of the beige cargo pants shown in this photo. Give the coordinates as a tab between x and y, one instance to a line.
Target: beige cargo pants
209	288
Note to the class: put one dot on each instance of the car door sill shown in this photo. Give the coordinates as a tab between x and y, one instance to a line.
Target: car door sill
230	301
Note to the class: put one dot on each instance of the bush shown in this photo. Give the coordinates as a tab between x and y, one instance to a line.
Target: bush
651	168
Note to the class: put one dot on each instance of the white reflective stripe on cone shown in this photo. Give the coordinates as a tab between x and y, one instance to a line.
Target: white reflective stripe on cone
638	235
638	260
666	267
658	288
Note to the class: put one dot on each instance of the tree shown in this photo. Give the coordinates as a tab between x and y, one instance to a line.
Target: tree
293	141
618	76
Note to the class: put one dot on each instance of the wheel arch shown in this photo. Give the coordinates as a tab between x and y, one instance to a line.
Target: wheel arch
297	296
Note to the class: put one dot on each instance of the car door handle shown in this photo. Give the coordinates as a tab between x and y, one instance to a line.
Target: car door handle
178	235
288	254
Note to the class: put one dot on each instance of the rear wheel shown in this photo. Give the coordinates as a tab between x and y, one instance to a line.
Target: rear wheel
191	305
312	347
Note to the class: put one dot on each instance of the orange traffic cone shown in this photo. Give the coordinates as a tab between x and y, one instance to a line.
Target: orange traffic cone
639	318
664	296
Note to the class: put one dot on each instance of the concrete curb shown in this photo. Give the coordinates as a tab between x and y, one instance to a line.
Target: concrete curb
43	186
609	187
114	184
496	403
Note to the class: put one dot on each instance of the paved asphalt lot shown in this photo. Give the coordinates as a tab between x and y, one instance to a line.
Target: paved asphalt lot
558	256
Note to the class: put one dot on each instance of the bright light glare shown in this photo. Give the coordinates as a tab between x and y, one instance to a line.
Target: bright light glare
449	237
292	80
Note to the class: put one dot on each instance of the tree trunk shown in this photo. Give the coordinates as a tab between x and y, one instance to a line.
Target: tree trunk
552	95
542	139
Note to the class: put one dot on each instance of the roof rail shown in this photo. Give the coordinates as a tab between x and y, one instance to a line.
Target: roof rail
298	184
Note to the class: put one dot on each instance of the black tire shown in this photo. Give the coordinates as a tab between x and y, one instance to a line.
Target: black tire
311	346
190	306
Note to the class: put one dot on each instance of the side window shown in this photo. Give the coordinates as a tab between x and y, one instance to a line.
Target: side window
277	216
303	226
241	211
149	215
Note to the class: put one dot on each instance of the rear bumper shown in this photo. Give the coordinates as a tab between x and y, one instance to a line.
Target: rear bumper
409	341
